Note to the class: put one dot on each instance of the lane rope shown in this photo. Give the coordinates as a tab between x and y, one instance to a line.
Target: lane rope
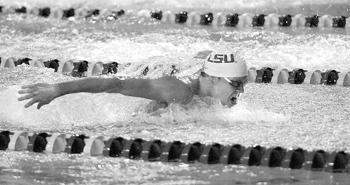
177	151
190	18
83	68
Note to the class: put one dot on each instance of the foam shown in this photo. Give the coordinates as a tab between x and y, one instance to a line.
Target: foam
69	111
81	110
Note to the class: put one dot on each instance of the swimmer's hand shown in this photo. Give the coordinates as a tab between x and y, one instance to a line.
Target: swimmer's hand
41	93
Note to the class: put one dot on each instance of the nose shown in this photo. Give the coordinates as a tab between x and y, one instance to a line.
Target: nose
240	88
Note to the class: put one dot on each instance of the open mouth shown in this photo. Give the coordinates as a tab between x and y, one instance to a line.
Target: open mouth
233	100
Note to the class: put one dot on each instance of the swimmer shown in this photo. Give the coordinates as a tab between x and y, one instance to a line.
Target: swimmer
222	77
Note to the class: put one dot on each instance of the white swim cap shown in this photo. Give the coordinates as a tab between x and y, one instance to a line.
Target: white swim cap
223	64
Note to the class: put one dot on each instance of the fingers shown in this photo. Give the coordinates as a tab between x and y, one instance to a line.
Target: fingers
28	86
30	103
33	101
32	85
26	97
26	91
40	105
33	92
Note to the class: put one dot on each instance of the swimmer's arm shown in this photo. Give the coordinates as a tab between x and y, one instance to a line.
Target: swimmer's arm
164	90
89	85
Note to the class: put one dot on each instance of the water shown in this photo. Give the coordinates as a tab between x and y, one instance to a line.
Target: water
307	116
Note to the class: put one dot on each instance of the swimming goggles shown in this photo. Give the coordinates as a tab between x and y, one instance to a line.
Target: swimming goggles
235	83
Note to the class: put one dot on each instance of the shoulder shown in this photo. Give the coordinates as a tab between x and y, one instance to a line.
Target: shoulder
171	80
173	89
164	90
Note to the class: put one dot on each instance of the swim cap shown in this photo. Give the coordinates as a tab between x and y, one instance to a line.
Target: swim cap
225	65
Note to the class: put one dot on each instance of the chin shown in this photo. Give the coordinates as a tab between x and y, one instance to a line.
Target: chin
231	104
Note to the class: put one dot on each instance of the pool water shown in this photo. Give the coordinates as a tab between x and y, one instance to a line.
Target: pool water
308	116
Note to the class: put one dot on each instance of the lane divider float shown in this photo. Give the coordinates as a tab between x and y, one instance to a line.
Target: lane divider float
192	18
177	151
76	68
298	76
83	68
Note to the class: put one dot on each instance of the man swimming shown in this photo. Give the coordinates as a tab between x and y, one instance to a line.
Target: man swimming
223	77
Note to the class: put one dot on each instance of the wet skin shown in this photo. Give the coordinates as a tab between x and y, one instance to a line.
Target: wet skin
227	90
164	90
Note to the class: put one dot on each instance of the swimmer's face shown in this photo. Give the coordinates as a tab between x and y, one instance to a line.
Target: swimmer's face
227	90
